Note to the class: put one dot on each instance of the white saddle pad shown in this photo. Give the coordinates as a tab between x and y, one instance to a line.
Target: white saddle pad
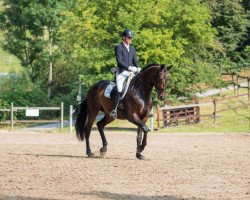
111	86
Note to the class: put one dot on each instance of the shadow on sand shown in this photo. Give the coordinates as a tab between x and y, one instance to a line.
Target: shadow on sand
96	156
116	129
117	196
23	198
47	155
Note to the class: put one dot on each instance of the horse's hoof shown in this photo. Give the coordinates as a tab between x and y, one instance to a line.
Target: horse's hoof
140	157
103	151
91	155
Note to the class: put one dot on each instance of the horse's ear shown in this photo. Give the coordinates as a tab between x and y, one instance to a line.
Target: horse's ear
169	67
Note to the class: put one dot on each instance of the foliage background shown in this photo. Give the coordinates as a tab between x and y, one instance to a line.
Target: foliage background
199	37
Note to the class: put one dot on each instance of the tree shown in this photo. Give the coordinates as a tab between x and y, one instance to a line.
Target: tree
83	34
246	44
231	20
30	31
170	32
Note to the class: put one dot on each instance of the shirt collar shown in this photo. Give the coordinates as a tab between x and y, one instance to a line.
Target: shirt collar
126	45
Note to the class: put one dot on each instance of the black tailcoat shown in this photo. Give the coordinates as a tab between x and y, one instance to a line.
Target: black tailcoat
124	58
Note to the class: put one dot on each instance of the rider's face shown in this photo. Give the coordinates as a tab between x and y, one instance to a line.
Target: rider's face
127	40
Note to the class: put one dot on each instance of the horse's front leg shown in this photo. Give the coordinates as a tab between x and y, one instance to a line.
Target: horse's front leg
139	138
141	127
144	141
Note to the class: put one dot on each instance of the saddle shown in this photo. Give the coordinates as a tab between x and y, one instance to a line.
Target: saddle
111	89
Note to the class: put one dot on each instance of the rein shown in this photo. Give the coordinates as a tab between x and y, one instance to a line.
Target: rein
150	87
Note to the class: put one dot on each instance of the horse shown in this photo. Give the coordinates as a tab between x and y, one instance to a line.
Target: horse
136	106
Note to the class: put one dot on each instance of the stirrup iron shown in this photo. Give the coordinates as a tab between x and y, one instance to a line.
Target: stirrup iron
113	113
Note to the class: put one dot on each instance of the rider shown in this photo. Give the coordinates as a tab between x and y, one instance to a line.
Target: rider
126	62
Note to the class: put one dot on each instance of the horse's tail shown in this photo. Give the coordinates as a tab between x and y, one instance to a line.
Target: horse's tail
81	120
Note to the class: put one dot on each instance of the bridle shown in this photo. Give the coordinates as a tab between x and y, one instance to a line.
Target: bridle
149	86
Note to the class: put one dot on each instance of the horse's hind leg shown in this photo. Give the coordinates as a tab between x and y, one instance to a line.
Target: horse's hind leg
91	119
101	124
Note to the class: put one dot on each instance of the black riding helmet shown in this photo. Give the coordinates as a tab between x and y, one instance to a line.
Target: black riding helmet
128	33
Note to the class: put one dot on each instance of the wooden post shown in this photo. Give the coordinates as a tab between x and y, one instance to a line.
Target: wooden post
198	113
186	115
12	116
196	109
61	115
174	117
70	118
214	102
158	116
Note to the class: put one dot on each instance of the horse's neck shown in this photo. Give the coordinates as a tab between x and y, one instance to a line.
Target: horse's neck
145	82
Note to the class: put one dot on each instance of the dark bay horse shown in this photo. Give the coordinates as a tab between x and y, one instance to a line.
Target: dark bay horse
136	106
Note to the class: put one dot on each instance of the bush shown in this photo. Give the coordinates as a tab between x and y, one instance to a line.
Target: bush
19	89
4	115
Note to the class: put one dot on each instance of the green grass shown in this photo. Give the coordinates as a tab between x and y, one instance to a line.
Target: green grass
8	62
235	120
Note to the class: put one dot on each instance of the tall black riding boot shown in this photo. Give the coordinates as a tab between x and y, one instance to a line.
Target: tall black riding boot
113	113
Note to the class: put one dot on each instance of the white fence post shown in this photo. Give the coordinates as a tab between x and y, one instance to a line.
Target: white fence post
12	116
70	118
152	120
61	115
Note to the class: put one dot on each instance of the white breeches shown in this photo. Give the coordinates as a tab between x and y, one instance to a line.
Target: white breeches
120	78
